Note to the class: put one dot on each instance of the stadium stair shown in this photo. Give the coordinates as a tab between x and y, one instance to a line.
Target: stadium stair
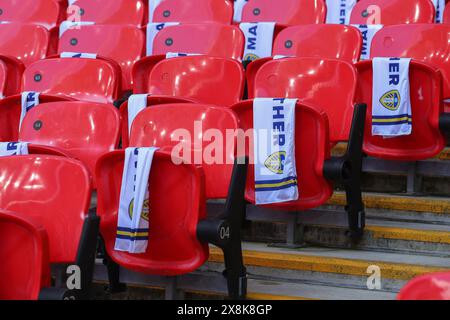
405	236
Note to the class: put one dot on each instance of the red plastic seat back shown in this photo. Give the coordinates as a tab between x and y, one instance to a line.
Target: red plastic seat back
10	110
220	11
94	80
177	203
160	126
204	79
46	13
426	140
447	14
331	41
83	130
24	256
26	42
119	12
388	12
11	70
210	39
107	41
312	148
424	42
327	84
53	191
435	286
285	12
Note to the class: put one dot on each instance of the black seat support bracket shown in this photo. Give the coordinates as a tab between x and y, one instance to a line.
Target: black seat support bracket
225	231
347	170
444	122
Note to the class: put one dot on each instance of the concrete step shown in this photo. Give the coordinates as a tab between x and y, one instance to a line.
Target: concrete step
284	274
257	290
331	267
322	229
340	149
428	205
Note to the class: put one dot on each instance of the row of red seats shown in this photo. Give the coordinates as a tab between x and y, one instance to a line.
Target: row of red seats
62	128
50	13
423	42
321	124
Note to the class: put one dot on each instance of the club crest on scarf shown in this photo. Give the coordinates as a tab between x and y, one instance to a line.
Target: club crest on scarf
275	162
391	100
145	210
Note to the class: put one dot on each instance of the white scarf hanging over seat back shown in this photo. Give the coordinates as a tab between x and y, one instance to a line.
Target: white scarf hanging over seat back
258	39
391	101
339	11
8	149
368	33
136	103
133	217
274	150
29	100
439	5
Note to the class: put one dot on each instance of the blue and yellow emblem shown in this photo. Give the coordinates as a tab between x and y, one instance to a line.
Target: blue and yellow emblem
250	57
391	100
145	210
275	162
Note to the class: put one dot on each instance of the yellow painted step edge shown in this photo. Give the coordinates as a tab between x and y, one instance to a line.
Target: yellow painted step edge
400	203
327	264
340	149
409	234
250	295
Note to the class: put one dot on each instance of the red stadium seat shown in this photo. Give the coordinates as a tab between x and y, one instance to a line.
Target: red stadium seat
47	13
94	80
388	12
316	169
55	192
329	84
107	41
151	101
217	81
312	150
180	231
209	39
10	109
220	11
423	42
26	42
165	119
11	71
285	12
119	12
25	266
343	43
426	140
447	13
434	286
80	130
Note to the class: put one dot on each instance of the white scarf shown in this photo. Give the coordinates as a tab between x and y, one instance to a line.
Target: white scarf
391	101
29	100
368	33
133	218
13	149
274	150
258	39
136	103
339	11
